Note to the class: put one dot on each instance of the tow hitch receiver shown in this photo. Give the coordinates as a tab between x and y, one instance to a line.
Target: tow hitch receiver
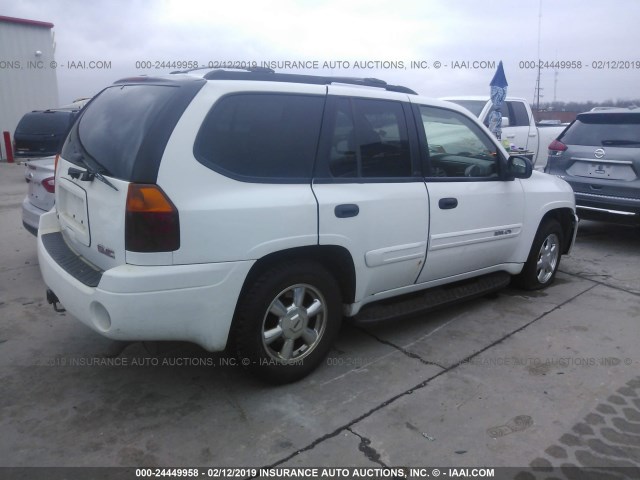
53	300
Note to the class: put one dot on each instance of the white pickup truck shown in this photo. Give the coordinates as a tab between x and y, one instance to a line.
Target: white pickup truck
518	125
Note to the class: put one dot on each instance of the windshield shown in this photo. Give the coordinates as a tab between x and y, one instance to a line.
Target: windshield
474	106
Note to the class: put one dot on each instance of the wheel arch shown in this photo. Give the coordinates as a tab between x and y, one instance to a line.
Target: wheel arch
566	218
337	260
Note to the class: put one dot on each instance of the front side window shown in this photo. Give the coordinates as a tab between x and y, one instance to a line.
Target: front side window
368	140
457	147
261	137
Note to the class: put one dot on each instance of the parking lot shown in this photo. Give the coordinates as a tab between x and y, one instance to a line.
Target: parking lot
517	380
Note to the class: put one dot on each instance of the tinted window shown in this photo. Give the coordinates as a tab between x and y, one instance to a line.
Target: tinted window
45	123
115	125
516	112
619	130
270	136
369	139
457	147
520	115
474	106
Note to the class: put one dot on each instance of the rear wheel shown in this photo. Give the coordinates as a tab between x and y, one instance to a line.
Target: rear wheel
544	259
287	320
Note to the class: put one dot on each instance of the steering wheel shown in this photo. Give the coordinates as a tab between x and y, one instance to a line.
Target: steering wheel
472	171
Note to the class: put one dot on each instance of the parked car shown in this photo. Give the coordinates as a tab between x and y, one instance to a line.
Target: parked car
41	133
599	155
518	125
251	210
39	173
40	198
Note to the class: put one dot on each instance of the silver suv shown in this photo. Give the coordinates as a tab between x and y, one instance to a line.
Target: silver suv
599	155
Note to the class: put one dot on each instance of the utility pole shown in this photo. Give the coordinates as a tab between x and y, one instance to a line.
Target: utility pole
537	94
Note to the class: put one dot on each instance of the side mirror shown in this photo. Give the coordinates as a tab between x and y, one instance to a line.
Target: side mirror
518	167
505	121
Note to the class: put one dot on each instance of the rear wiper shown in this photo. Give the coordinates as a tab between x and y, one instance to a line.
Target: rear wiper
620	142
89	174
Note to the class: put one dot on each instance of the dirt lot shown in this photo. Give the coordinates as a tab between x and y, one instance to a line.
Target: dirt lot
521	380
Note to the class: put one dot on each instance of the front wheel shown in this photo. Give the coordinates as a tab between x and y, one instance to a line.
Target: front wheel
544	259
287	320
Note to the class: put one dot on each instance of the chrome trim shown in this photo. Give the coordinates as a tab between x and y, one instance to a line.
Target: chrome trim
597	160
595	195
606	210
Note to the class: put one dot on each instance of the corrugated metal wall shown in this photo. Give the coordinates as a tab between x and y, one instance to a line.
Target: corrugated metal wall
27	81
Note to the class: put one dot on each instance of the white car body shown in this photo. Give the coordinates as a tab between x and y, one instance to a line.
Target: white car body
400	241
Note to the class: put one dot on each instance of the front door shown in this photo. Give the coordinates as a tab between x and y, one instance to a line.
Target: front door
475	216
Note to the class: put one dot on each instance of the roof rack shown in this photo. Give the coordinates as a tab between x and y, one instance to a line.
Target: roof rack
269	75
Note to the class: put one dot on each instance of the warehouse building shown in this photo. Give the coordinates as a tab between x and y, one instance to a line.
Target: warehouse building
28	79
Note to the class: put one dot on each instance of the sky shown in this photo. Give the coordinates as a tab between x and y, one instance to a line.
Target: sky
589	48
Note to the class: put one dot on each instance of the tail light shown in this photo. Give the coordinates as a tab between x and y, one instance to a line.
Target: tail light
556	148
151	223
49	184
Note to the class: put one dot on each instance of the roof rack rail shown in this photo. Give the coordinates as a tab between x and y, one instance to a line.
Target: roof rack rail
242	69
269	75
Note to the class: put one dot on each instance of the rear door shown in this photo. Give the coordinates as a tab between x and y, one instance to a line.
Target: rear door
371	196
476	217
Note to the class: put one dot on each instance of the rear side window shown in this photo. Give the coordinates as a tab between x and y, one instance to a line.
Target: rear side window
615	130
45	123
516	112
124	130
261	136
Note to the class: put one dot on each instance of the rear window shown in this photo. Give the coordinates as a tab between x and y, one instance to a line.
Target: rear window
114	131
615	130
261	136
44	123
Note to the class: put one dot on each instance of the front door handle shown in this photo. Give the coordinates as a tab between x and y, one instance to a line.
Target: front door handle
448	203
347	210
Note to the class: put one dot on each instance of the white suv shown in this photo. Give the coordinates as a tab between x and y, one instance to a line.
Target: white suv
253	210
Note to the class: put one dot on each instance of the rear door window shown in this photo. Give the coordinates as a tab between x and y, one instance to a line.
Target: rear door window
368	139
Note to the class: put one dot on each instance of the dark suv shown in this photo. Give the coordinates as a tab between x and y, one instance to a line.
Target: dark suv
599	155
41	133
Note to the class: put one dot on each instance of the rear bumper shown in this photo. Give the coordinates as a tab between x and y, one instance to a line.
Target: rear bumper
31	216
608	208
193	303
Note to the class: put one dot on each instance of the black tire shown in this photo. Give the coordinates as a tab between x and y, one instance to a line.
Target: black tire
286	321
544	258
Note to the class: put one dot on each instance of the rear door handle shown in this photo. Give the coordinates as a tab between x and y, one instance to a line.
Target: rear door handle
347	210
448	203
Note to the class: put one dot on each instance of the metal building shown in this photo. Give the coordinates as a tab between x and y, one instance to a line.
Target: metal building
28	79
